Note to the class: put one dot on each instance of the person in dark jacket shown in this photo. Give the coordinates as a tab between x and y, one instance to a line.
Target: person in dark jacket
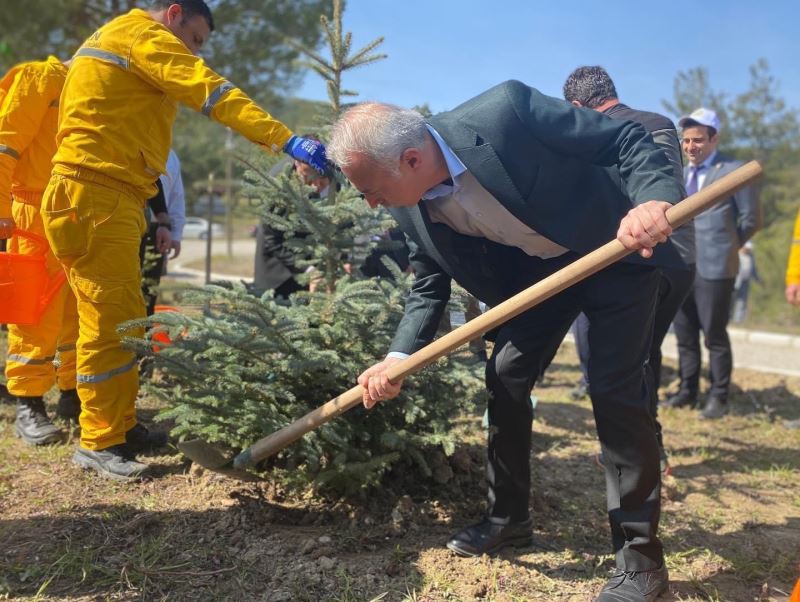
592	88
499	193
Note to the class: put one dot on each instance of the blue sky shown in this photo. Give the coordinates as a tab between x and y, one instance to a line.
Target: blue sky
443	52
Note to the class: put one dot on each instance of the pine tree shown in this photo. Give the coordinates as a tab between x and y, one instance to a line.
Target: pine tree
243	366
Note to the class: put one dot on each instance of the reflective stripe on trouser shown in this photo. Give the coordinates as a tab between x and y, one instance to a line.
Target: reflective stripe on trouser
32	349
94	225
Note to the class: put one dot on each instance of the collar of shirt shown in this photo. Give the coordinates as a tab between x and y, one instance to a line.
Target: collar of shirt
707	163
454	166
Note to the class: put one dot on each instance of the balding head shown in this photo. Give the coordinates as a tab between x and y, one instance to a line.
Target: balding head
376	132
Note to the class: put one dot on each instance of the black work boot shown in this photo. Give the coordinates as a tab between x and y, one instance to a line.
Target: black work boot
32	424
139	439
69	405
115	462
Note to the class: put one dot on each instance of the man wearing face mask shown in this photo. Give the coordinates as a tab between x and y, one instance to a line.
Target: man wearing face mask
116	115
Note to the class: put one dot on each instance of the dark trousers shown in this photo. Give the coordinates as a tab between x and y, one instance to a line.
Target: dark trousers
151	274
706	309
673	287
620	303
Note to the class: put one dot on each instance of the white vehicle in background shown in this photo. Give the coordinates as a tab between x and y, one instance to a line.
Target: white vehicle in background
197	227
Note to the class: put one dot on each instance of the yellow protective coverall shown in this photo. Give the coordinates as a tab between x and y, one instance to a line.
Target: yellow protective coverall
115	128
793	266
28	124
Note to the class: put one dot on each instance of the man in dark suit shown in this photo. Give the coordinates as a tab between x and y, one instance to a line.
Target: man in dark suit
497	194
593	88
719	234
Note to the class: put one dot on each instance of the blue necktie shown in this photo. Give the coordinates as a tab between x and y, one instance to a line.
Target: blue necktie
691	183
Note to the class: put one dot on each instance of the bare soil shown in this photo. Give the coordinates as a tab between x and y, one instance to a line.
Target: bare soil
730	523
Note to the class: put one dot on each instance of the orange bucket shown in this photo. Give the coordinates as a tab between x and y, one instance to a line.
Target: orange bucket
161	338
25	287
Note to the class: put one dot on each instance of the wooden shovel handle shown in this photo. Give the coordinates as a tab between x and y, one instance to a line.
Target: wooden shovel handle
522	301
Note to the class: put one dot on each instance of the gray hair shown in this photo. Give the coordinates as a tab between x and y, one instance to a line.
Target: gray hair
380	132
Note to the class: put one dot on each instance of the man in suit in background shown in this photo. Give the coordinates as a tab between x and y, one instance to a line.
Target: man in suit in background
497	194
593	88
719	234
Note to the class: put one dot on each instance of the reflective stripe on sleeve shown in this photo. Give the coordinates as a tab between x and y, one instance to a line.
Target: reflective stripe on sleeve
7	150
215	96
103	55
30	361
103	376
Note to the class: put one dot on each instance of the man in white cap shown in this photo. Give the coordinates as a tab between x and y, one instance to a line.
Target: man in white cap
719	234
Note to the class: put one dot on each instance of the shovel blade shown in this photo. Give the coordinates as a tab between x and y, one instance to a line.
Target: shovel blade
212	458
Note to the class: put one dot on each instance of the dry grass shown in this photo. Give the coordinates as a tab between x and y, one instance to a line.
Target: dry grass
731	520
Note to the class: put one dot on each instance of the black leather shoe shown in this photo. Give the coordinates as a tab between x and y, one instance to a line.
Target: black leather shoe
114	462
32	423
715	408
139	439
491	535
681	400
645	586
69	405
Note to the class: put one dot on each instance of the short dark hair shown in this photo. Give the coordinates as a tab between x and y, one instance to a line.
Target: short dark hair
590	86
190	8
691	123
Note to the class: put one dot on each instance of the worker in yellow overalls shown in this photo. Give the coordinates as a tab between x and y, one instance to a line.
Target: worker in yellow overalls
28	124
115	131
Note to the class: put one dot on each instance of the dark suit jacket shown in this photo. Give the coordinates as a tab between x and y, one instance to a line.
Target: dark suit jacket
722	230
570	174
666	137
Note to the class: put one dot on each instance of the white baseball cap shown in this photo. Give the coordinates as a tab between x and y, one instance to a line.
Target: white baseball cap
702	116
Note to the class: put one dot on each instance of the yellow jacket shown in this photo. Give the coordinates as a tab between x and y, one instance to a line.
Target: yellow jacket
122	94
28	123
793	267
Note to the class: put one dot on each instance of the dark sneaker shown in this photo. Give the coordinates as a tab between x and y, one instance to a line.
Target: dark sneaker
491	535
139	439
644	586
716	408
32	423
69	405
114	462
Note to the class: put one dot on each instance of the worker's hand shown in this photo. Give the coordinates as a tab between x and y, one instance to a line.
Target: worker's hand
308	151
6	227
793	294
644	227
163	239
175	245
376	384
